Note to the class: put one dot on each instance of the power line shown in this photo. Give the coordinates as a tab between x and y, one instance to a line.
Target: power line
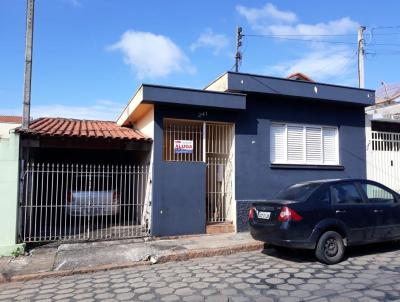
385	27
302	35
302	40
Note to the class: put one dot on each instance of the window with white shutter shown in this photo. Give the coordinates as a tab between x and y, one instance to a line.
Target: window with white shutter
278	142
304	144
331	154
295	143
313	145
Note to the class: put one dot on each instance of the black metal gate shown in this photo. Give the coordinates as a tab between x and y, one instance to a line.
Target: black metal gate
83	202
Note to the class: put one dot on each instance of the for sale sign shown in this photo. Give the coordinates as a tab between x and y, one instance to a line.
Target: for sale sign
183	146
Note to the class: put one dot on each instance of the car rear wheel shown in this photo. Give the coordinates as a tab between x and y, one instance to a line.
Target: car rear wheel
330	248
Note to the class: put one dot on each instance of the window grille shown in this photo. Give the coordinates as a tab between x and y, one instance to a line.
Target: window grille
183	140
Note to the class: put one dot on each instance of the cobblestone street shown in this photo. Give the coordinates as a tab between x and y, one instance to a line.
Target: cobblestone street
253	276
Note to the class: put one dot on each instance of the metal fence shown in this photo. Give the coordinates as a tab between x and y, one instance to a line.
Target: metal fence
383	158
83	202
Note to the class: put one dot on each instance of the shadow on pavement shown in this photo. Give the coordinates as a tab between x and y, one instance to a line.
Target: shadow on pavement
307	256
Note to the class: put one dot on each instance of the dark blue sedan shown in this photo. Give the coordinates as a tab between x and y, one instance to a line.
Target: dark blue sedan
327	216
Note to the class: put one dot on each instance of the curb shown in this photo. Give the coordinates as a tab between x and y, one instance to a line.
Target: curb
183	256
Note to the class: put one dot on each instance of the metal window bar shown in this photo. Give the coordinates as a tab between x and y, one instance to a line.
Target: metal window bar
175	130
83	202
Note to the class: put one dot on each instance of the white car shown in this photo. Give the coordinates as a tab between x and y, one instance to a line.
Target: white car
92	203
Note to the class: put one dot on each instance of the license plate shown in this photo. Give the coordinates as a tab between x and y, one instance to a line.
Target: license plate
264	215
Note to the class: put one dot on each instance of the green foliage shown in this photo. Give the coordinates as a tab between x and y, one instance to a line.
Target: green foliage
17	252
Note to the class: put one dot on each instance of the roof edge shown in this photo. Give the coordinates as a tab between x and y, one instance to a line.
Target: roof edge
301	81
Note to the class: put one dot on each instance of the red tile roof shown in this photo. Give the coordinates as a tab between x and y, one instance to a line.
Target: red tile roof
299	76
12	119
63	127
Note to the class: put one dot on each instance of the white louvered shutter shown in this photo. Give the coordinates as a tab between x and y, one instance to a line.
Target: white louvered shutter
295	144
313	145
330	146
278	142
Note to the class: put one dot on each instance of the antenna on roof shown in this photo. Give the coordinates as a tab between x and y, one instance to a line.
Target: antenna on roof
385	87
238	55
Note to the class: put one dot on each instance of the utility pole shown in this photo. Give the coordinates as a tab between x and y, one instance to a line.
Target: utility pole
238	55
28	64
361	53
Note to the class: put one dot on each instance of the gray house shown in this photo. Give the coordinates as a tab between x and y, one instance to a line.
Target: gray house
243	138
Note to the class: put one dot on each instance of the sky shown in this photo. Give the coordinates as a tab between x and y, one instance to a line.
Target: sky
90	56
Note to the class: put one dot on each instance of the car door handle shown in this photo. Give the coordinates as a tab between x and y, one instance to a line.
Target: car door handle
340	211
378	211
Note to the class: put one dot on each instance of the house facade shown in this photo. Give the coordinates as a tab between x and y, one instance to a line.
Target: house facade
241	139
178	161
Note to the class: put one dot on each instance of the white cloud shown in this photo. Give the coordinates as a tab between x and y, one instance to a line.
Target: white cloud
321	64
100	110
214	41
75	3
270	20
320	61
151	55
336	27
268	11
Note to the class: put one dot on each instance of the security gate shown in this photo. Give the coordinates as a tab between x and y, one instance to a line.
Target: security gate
219	170
383	158
209	142
83	202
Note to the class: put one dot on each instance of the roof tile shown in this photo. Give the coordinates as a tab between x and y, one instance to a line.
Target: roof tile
12	119
63	127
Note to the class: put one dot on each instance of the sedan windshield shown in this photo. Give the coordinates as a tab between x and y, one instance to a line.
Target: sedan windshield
298	192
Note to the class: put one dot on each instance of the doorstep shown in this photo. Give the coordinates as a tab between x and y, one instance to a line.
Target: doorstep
220	228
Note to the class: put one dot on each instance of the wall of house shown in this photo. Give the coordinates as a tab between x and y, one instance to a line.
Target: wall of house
9	165
179	192
255	179
5	129
146	123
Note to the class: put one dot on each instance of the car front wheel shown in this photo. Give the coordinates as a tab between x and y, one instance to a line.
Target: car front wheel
330	248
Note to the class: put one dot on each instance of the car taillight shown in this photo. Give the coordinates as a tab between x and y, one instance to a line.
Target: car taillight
288	214
251	213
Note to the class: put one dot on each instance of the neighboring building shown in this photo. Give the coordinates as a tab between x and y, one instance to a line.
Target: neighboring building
9	175
243	138
8	123
383	137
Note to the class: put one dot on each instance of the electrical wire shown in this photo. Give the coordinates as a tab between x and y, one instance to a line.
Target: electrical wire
303	40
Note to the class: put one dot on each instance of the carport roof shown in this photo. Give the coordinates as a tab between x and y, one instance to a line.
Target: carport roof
64	127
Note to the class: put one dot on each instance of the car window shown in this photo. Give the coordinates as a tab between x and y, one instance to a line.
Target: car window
377	194
346	194
298	192
325	196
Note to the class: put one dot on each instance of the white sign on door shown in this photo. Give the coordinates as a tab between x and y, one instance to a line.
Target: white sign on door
183	146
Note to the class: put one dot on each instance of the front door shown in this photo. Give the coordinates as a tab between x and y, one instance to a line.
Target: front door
219	172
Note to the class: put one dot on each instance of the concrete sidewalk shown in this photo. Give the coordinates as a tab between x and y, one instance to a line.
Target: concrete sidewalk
74	258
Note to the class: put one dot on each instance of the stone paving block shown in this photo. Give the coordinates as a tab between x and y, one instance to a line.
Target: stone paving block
240	277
